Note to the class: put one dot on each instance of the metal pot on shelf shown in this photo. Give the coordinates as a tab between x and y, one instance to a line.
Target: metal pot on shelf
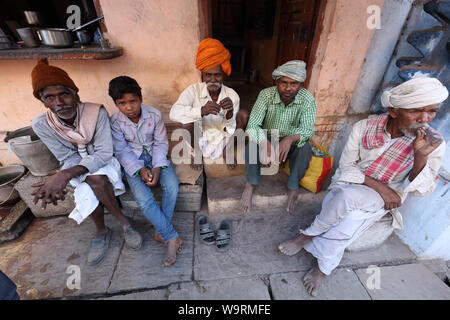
29	37
59	37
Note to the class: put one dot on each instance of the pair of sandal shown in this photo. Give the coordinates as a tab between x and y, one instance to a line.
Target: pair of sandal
221	238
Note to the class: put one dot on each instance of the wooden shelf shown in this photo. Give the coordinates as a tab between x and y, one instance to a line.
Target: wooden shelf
90	52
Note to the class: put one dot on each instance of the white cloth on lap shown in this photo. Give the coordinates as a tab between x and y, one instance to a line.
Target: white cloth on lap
85	199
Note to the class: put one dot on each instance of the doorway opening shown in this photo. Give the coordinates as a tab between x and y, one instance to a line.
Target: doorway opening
261	35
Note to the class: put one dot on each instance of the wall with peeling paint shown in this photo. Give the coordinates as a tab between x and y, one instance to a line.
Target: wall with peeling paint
160	40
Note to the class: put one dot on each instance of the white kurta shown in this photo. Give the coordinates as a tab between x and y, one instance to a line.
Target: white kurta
350	207
216	129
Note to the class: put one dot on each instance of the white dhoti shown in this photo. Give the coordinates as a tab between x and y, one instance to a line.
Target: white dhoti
347	211
213	140
85	199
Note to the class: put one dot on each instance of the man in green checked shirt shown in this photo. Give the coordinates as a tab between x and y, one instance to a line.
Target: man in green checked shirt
286	109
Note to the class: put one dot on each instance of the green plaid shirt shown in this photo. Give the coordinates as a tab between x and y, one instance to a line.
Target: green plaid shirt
269	112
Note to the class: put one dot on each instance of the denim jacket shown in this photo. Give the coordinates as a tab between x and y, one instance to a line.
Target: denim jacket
129	139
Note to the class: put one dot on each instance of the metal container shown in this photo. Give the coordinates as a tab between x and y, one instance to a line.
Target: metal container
83	36
33	153
33	18
9	175
56	37
29	37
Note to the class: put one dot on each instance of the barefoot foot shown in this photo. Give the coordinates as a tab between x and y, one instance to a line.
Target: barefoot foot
246	199
292	198
294	246
172	250
158	237
312	280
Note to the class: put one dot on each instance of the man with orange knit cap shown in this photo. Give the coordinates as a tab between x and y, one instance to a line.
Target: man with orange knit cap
210	104
79	135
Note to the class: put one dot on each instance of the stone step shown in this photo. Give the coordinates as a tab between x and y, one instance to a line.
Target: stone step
426	40
224	194
405	61
418	70
440	9
189	197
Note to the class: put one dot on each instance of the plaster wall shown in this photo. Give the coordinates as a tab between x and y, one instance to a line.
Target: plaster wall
159	39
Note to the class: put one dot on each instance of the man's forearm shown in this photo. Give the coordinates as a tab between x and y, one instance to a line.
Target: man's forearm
74	171
374	184
294	138
419	164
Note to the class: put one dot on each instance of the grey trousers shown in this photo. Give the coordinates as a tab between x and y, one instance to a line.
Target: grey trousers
298	164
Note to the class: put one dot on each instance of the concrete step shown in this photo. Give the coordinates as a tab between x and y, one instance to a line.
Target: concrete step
224	194
426	40
189	197
418	70
440	9
405	61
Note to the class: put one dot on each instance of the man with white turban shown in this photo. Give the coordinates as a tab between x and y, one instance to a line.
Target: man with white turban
386	157
288	112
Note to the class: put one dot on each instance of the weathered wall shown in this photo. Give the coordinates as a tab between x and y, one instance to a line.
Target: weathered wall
342	48
160	40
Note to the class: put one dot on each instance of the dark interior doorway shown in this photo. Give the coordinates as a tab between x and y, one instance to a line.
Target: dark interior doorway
260	35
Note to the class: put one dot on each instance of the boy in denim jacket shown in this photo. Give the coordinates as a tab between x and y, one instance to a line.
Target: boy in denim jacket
141	146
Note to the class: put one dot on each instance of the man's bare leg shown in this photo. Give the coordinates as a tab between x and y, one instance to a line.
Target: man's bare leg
292	198
172	248
294	246
313	279
246	199
104	192
98	215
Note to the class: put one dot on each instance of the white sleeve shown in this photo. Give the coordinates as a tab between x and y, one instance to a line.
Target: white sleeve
182	110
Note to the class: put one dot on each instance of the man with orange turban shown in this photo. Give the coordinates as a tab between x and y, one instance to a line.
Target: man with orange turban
210	104
79	135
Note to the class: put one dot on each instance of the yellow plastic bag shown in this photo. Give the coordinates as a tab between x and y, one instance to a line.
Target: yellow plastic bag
319	168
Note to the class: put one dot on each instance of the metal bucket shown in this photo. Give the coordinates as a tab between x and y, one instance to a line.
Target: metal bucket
9	175
32	152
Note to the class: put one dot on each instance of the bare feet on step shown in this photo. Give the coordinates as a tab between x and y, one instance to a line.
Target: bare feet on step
294	246
292	198
158	237
312	280
246	199
172	249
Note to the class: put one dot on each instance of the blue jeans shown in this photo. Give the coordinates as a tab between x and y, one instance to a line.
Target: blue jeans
161	218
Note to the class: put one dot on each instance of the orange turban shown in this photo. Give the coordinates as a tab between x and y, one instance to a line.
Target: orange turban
210	54
44	75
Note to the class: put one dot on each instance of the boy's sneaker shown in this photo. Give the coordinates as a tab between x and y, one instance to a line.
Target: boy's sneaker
132	238
99	247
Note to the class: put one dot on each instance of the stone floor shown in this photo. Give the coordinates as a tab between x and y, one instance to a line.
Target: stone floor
42	262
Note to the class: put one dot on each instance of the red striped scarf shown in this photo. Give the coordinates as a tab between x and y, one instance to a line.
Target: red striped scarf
397	158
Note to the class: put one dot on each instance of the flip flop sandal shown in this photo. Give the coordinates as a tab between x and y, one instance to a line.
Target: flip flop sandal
223	237
207	234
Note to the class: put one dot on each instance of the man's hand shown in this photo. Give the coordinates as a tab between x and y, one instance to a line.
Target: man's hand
265	153
391	198
426	141
284	147
150	177
210	108
52	189
227	105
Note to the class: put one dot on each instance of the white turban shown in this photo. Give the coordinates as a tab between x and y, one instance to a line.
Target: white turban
294	69
415	93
